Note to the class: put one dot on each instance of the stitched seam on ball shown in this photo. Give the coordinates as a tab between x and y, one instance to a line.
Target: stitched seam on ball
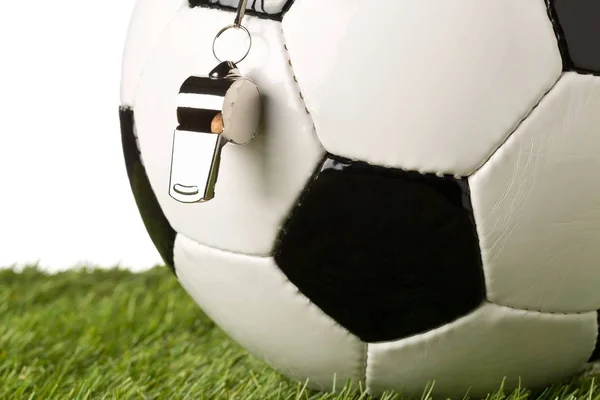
422	172
518	125
389	166
285	279
299	201
222	250
312	305
237	253
559	35
315	173
283	276
278	16
561	39
541	311
289	57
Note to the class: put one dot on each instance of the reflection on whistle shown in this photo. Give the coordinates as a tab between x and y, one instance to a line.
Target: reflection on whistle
195	166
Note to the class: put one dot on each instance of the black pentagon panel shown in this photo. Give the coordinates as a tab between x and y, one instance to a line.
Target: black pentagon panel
386	253
159	229
596	354
577	25
254	7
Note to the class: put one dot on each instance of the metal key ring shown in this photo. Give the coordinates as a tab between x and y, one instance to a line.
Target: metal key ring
233	26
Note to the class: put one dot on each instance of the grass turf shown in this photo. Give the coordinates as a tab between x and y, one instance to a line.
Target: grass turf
112	334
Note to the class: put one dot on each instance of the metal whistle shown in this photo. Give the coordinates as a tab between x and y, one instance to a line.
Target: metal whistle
211	111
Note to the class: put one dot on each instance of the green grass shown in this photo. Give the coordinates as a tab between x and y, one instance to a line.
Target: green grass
94	334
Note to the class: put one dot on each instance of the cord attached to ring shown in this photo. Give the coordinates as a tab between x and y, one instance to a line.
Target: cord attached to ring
222	31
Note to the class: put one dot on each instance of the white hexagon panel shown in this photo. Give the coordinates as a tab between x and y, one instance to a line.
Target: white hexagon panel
480	352
537	205
385	88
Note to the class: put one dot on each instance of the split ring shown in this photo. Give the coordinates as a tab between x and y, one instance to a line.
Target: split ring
233	26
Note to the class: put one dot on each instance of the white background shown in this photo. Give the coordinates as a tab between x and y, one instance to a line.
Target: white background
64	193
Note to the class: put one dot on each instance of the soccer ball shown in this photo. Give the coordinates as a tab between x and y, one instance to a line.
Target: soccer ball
421	203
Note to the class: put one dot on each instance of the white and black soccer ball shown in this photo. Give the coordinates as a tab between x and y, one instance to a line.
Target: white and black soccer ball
421	204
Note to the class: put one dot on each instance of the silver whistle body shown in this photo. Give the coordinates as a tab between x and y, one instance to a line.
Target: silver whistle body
211	112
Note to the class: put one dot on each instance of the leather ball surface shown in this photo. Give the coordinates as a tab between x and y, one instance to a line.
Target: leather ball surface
422	200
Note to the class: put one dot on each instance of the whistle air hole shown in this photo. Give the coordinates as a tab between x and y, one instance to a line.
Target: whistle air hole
186	190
